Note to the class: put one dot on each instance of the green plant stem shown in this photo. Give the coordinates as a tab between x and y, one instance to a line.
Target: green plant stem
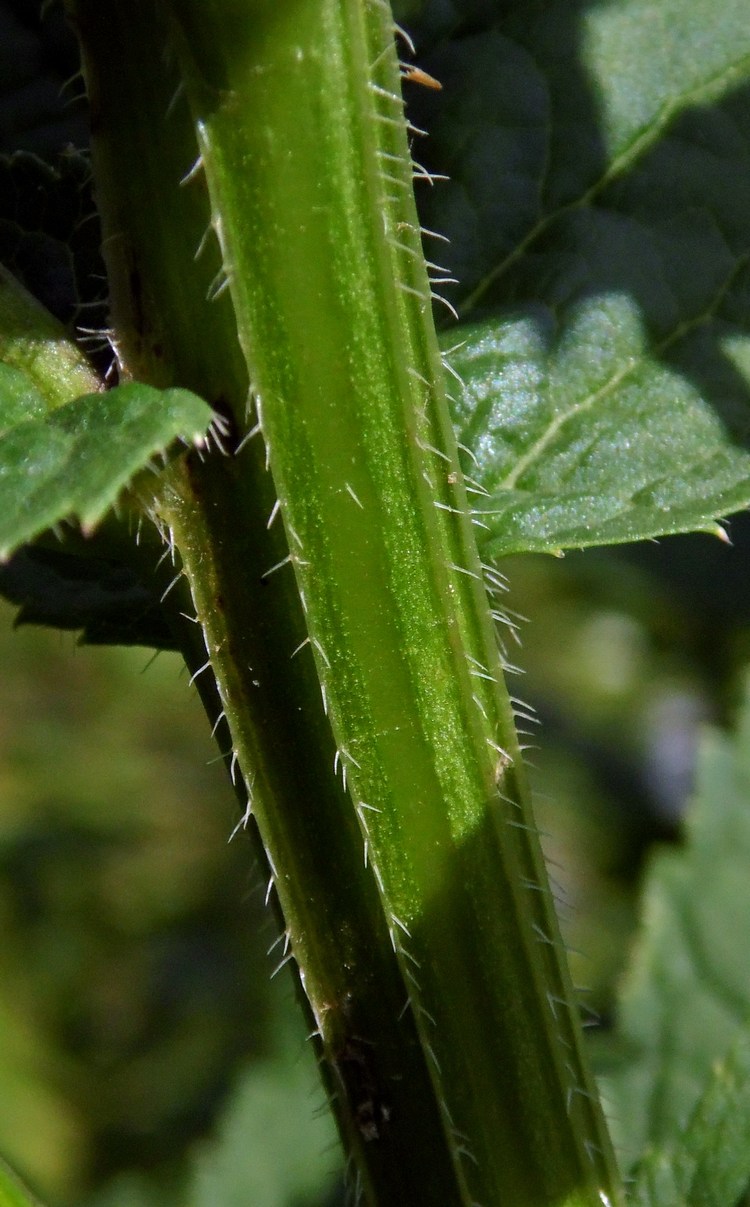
215	512
305	152
432	969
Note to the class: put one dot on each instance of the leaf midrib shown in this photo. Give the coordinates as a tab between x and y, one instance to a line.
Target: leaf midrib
538	448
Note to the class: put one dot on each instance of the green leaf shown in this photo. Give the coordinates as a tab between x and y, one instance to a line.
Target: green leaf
12	1192
275	1146
107	599
599	218
656	1185
583	439
685	997
74	461
255	1159
20	397
709	1166
38	356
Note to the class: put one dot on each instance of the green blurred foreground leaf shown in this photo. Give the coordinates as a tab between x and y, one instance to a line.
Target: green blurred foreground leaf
12	1193
254	1158
709	1166
74	461
598	211
275	1147
685	1000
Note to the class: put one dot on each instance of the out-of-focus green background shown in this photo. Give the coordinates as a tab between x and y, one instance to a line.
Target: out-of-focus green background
143	1046
134	982
137	1018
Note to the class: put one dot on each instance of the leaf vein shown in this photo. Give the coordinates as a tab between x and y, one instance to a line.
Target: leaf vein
643	141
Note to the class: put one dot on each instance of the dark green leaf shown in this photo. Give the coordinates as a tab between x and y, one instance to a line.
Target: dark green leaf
38	58
102	597
50	238
75	461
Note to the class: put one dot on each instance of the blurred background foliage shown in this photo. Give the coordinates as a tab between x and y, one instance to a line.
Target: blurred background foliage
628	653
135	1001
143	1047
137	1017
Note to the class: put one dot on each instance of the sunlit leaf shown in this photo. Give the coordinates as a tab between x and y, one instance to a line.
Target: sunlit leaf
39	362
584	438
